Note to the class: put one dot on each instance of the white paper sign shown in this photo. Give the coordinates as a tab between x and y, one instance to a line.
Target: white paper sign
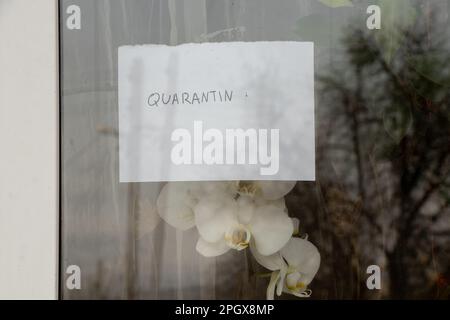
217	111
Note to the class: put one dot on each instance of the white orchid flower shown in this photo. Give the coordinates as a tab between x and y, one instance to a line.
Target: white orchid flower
294	267
226	223
176	201
268	190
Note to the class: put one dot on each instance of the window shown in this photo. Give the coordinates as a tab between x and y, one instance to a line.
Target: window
375	205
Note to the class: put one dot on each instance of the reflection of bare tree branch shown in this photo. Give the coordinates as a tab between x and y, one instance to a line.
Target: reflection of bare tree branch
395	179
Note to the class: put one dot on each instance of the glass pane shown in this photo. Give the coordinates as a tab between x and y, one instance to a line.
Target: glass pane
377	211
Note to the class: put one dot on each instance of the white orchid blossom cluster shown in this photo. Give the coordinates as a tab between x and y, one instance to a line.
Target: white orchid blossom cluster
240	214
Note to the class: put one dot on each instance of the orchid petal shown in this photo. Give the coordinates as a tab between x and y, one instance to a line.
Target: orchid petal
303	256
279	203
175	204
246	209
214	216
271	287
209	249
211	188
272	262
273	190
271	228
280	284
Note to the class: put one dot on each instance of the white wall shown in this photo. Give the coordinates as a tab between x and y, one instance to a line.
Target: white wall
28	149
